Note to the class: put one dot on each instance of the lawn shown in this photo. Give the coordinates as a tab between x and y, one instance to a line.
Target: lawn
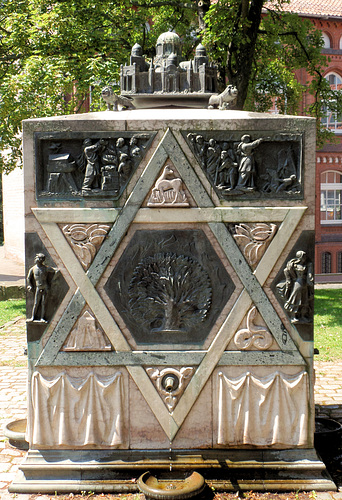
11	309
328	324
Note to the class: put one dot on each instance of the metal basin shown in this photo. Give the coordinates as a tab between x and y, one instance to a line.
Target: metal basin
15	432
172	489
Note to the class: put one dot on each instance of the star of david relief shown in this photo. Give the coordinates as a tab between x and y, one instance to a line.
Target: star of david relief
216	218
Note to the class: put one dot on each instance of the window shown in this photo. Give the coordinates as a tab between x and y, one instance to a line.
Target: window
339	262
341	43
331	197
331	120
326	40
326	262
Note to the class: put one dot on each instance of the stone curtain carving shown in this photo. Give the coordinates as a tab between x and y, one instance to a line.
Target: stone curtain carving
253	239
85	240
170	293
168	190
243	166
75	412
263	411
254	336
298	289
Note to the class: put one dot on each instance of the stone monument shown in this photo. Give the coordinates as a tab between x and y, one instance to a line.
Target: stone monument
177	333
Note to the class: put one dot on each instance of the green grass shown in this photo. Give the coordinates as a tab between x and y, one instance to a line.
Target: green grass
328	324
10	309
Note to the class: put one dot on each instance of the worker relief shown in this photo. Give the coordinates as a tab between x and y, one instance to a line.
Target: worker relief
88	166
249	165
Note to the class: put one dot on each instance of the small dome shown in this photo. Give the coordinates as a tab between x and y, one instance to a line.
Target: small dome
201	50
168	37
136	50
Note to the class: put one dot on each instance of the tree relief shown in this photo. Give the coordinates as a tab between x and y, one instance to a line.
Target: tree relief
169	293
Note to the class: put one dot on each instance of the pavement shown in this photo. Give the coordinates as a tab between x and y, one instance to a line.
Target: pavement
12	277
13	384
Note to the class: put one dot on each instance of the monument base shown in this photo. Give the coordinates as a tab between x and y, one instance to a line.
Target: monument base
108	471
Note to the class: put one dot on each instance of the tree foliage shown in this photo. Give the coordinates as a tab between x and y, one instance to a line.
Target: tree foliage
52	53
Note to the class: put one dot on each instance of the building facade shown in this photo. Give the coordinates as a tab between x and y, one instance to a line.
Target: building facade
327	16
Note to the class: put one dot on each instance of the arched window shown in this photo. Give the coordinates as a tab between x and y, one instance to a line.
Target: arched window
331	120
326	262
340	43
331	197
326	40
339	262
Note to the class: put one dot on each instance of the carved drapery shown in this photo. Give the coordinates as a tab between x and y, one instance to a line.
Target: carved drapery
263	411
75	412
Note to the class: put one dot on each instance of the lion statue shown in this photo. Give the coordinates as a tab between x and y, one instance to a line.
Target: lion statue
115	100
222	100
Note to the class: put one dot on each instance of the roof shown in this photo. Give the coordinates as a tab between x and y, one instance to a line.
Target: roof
317	8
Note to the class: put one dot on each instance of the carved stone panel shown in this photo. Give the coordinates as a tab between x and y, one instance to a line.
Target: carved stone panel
253	239
250	165
87	336
168	190
170	383
87	165
255	336
85	240
57	288
169	286
294	285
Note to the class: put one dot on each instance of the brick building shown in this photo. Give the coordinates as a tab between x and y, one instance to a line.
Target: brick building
326	15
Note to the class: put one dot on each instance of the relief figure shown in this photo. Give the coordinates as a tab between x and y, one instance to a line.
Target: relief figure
92	159
247	167
298	288
39	279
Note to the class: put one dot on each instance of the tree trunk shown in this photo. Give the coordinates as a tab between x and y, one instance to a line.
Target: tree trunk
242	48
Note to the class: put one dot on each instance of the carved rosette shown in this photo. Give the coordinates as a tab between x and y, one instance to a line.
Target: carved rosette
253	239
170	391
85	240
86	336
254	337
170	293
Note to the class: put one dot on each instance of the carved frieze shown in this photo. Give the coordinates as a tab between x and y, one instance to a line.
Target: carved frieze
87	336
250	165
253	239
170	383
253	336
168	190
85	240
76	165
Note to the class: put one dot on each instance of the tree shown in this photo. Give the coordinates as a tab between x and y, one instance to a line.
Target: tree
170	293
52	54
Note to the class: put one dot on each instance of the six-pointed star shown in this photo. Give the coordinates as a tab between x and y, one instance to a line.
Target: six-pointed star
216	218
